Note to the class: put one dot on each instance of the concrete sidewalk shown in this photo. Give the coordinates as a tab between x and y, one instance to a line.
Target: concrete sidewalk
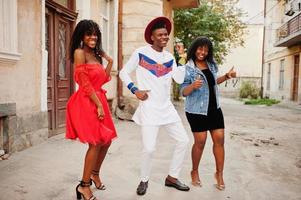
52	169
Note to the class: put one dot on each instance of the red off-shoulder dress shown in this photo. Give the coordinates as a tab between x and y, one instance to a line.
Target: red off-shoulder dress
81	114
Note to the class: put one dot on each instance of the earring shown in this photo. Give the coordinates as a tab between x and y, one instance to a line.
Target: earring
81	44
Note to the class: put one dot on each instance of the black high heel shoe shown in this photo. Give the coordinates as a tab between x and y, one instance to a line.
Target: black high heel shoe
101	186
80	195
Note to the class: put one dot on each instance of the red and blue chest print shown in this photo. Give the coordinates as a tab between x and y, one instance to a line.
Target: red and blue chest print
155	68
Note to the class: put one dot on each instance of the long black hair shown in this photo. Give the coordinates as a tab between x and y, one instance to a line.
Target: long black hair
86	27
200	42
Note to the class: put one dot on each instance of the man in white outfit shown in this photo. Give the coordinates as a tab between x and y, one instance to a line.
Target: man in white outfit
155	69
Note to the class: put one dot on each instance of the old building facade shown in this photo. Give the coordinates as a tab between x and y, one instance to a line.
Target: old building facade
282	50
35	71
36	76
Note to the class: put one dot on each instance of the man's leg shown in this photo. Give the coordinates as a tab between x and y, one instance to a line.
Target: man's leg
177	132
149	137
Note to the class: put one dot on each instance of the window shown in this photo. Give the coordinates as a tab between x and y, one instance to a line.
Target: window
105	24
269	77
281	75
8	32
108	21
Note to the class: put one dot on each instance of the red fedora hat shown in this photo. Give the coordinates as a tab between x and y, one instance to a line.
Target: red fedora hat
148	29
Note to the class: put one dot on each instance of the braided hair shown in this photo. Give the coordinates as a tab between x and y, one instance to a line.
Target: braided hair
86	27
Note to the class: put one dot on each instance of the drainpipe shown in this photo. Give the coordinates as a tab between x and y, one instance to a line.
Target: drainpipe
262	50
120	63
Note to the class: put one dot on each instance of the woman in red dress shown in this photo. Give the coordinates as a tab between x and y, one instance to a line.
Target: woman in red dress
88	117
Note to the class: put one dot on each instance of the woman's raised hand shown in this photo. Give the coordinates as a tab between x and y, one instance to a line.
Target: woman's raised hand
231	73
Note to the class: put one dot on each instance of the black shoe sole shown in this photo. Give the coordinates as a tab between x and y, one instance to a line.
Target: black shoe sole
181	189
141	194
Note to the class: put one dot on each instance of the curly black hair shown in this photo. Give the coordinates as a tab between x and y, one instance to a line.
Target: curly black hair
200	42
86	27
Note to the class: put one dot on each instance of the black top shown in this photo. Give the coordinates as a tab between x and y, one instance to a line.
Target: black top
211	84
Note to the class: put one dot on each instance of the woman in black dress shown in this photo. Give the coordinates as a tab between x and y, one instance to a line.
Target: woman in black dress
202	106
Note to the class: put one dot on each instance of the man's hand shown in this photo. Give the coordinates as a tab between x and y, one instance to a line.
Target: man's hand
141	94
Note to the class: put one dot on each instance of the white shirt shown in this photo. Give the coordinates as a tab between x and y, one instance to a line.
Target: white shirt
154	71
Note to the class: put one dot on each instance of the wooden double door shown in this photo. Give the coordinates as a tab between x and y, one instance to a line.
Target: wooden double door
58	27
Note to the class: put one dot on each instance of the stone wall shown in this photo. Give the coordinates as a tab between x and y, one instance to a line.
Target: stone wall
231	88
20	132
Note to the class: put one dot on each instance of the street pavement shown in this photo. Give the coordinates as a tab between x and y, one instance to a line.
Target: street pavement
263	161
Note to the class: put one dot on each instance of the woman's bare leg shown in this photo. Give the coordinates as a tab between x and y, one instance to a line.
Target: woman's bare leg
100	158
90	161
217	136
196	154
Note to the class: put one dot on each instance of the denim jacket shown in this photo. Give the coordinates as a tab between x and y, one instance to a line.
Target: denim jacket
197	101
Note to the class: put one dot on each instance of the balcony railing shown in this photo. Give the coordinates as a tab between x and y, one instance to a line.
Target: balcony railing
289	34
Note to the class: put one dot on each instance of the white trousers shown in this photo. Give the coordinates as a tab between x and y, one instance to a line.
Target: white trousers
149	138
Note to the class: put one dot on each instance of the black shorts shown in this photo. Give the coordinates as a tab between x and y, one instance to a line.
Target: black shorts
200	123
